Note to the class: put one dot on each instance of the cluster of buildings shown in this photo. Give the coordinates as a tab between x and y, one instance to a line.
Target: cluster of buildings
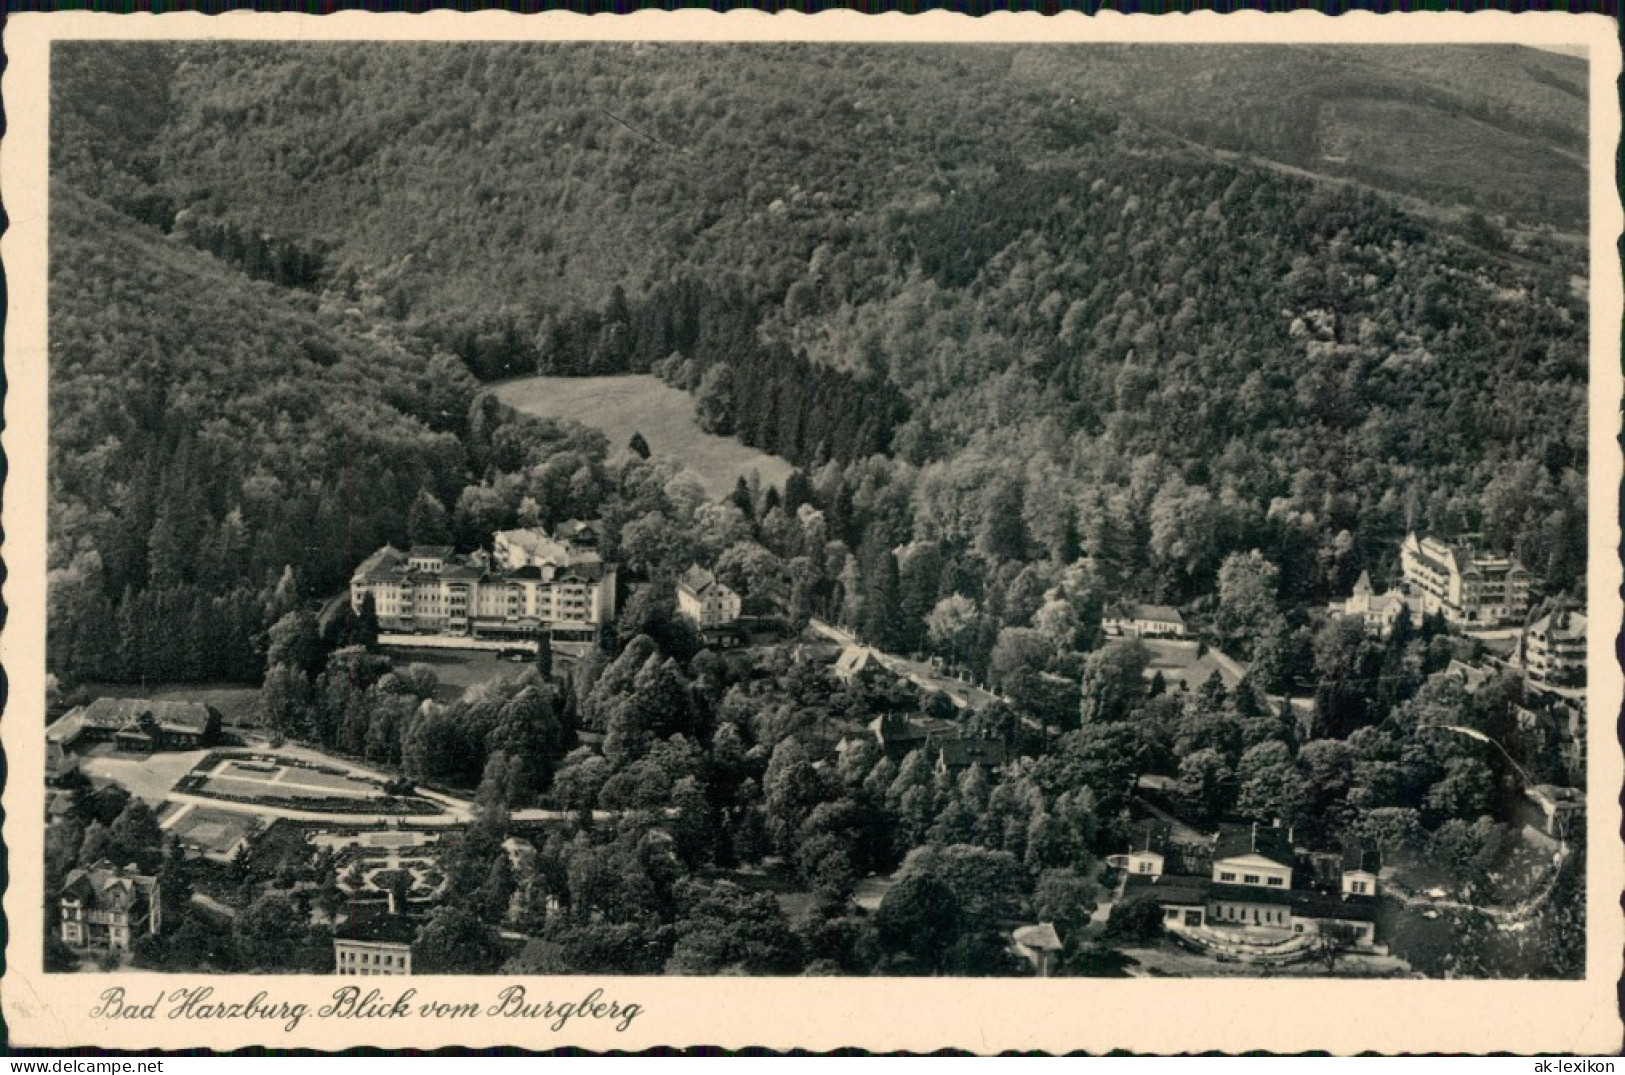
530	581
1475	591
1250	877
1471	589
951	751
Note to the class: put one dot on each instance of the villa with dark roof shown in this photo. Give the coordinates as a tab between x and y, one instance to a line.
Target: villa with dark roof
108	907
373	942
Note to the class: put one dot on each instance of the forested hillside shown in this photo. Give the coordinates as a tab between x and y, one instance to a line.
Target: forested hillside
1500	129
1042	331
995	298
204	430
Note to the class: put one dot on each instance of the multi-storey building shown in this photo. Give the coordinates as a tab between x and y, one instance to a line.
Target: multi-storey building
108	907
1554	649
705	601
532	581
1470	589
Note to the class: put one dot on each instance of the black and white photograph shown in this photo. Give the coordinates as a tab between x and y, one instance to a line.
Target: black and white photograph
795	509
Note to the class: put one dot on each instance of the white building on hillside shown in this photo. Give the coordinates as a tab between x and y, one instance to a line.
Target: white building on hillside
533	581
1143	621
1469	589
1378	612
1554	649
705	601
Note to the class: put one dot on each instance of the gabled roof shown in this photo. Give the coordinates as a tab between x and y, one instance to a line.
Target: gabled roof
107	887
856	659
579	531
1154	613
1269	841
386	560
584	570
430	552
65	730
125	715
1357	856
1561	623
696	580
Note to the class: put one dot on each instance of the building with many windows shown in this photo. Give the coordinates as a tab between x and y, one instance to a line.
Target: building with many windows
1469	589
532	581
1554	649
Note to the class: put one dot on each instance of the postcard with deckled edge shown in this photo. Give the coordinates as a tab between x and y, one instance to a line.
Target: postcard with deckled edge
1018	533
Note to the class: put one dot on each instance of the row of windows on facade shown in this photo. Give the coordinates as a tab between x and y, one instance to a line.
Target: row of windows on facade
371	959
1250	879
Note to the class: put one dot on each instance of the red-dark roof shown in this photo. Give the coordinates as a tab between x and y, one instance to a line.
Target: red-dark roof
1253	839
1327	905
1182	890
377	927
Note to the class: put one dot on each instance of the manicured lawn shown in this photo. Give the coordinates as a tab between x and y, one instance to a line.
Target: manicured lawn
458	669
641	403
214	832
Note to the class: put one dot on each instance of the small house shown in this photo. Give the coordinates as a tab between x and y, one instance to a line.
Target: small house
1143	621
1039	945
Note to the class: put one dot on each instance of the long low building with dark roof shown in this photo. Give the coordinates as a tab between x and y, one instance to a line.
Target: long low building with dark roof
137	724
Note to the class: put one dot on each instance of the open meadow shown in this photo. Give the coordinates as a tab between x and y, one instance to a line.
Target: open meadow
641	403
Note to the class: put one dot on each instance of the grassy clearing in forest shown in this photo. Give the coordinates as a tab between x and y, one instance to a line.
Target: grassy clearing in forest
642	403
